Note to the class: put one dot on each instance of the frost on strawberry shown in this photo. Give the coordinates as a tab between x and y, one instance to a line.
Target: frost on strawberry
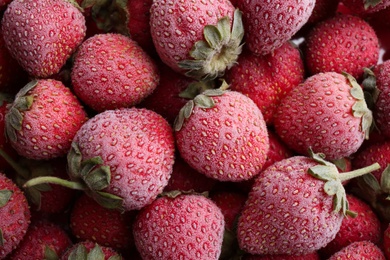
198	38
43	119
223	135
42	34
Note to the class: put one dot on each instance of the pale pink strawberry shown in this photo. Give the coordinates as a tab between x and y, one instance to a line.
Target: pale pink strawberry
328	113
112	71
293	207
42	34
182	227
343	43
269	24
267	79
223	135
199	38
358	251
43	119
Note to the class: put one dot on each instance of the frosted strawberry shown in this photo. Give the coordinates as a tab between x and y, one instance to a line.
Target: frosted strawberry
14	215
269	24
358	251
343	43
199	38
296	206
223	135
267	79
364	7
181	227
42	34
122	158
112	71
328	113
43	119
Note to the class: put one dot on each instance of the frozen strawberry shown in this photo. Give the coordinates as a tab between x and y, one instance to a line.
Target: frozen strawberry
86	250
364	227
311	256
112	71
294	207
267	79
182	227
358	251
14	215
364	7
107	227
43	240
323	9
199	38
42	36
269	24
223	135
328	113
343	43
43	119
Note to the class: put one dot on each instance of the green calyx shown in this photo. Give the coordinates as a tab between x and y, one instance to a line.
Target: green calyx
218	51
203	100
360	108
96	253
50	254
14	116
333	186
371	3
5	196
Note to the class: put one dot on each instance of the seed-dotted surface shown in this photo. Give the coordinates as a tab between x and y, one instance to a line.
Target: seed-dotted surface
228	142
382	105
184	227
137	145
287	211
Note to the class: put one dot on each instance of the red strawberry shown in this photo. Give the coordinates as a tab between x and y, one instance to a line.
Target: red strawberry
86	250
323	9
43	34
107	227
343	43
112	71
43	120
199	38
327	113
364	227
293	207
386	242
277	149
311	256
43	240
364	7
14	215
267	79
360	250
223	135
381	108
182	227
269	24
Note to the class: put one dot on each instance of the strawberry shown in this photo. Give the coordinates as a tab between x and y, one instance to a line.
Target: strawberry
364	7
86	250
267	79
112	71
322	10
328	113
14	215
359	251
107	227
269	24
43	119
364	227
343	43
43	240
277	149
386	242
179	227
311	256
293	207
199	38
381	107
42	34
223	135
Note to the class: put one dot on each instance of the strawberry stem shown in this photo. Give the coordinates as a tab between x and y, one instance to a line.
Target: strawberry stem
19	169
55	180
359	172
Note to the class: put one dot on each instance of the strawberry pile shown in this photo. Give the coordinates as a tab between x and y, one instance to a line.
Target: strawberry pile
202	129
